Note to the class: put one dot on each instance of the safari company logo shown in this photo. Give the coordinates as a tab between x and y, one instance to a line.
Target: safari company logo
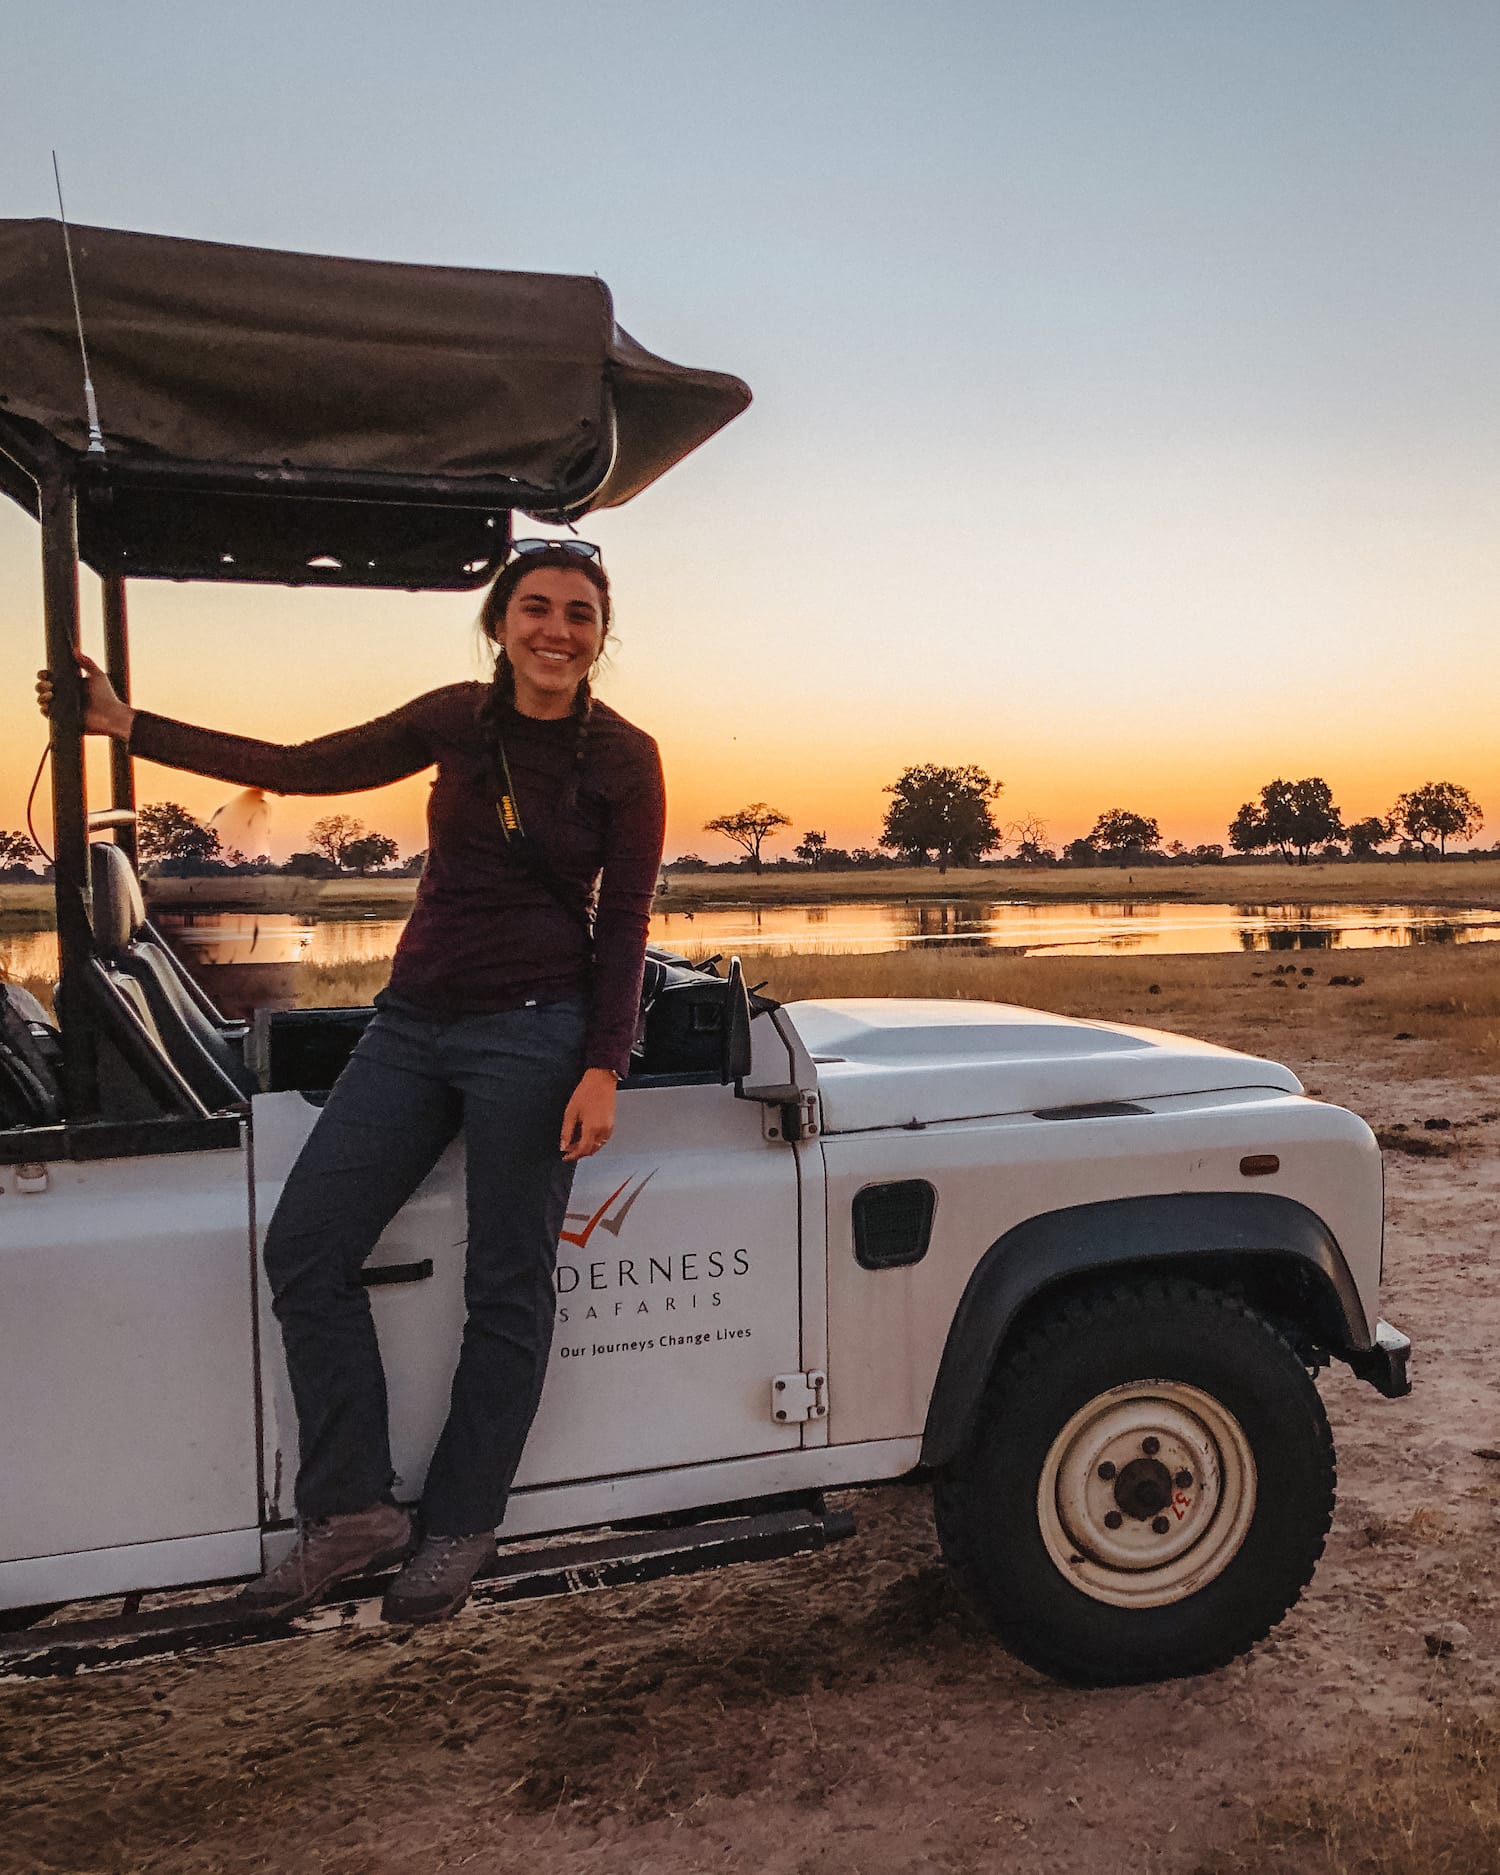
602	1277
611	1215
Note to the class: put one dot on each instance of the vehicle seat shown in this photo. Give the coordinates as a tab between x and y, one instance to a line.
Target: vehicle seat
206	1050
30	1061
685	1008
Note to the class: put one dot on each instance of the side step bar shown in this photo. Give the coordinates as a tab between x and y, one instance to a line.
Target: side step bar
517	1575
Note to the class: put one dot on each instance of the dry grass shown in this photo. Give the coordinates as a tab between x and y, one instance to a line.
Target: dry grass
304	898
1407	882
1427	1808
27	907
1447	998
340	986
1442	1002
32	907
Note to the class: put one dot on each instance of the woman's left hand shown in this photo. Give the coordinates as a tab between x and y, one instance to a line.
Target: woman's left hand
590	1118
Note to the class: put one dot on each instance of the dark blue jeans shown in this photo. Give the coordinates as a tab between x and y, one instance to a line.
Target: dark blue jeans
412	1082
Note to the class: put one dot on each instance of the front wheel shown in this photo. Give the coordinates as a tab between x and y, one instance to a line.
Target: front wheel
1147	1487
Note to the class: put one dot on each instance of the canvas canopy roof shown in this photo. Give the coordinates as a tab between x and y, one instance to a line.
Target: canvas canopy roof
300	384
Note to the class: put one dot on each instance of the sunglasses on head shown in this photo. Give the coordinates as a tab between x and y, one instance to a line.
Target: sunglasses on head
581	549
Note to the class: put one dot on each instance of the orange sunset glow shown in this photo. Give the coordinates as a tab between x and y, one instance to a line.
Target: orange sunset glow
815	694
1118	422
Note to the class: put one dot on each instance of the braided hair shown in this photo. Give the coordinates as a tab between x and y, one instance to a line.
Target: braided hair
502	692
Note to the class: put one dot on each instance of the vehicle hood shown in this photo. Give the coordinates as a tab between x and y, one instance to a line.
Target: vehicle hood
891	1061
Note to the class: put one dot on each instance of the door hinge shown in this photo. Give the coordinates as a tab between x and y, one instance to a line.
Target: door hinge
792	1120
799	1396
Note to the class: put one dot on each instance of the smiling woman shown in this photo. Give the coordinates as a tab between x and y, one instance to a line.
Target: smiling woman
547	618
510	1014
548	613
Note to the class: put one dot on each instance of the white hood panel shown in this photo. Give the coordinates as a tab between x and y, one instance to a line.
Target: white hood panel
888	1061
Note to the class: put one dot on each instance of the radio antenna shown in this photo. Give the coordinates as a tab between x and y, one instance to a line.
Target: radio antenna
96	435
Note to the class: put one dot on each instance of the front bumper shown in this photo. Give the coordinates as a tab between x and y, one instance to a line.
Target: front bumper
1384	1365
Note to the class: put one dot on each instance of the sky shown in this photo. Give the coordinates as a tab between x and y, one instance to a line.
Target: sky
1125	376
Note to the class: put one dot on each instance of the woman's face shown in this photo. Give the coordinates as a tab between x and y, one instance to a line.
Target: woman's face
552	631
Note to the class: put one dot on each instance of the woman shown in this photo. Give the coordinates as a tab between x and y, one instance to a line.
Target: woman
506	1015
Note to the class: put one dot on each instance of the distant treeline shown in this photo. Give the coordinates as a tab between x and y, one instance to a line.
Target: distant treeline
938	817
945	817
172	844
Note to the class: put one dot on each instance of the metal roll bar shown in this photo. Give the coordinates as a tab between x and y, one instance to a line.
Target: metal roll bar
117	664
58	497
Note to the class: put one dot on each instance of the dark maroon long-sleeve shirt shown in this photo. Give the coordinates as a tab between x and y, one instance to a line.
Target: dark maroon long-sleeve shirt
485	934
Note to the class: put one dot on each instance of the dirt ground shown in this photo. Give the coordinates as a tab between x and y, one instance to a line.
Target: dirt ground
842	1714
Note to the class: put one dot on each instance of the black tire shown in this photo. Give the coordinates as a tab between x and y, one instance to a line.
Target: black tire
1210	1349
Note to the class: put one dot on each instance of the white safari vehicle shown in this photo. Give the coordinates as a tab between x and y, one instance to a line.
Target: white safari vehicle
1075	1274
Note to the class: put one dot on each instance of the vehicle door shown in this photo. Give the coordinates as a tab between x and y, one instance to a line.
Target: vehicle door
127	1373
677	1285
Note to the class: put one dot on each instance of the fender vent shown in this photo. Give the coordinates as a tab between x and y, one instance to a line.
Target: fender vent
893	1223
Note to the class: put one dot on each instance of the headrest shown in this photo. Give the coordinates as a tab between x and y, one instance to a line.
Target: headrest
119	909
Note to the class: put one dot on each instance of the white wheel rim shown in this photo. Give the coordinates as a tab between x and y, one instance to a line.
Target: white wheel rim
1146	1494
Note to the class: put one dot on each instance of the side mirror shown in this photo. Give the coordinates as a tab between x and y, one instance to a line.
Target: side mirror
734	1063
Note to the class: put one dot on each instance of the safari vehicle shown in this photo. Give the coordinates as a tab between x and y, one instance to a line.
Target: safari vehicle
1076	1274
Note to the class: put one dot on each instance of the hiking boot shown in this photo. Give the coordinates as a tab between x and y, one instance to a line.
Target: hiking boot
329	1549
436	1582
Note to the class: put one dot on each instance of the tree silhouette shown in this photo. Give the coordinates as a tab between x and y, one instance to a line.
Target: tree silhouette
1248	832
1030	835
16	850
748	827
1365	835
369	851
334	834
1440	810
941	812
1294	816
812	847
1120	831
166	830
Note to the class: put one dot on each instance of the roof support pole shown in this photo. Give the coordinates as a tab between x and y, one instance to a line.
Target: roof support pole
59	518
117	664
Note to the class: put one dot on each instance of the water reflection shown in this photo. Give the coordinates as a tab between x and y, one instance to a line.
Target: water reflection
1060	928
228	940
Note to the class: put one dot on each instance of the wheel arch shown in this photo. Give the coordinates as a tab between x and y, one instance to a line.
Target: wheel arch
1277	1252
